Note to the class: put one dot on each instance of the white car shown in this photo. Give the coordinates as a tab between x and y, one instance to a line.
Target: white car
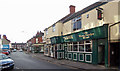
6	62
20	50
14	50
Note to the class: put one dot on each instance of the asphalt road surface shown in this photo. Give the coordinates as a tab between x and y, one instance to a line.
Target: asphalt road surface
26	61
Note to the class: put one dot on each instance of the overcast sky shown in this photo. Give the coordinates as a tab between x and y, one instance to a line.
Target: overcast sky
21	19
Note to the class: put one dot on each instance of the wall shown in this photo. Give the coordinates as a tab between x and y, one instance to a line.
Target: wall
57	32
4	41
67	27
40	39
110	15
119	18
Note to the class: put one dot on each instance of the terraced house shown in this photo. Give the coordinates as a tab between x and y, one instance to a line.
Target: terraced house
91	35
36	44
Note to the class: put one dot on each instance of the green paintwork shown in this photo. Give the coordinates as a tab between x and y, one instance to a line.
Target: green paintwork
81	56
56	40
74	56
106	52
94	33
88	57
95	52
69	38
70	56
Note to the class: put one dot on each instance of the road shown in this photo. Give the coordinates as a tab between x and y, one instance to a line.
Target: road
26	61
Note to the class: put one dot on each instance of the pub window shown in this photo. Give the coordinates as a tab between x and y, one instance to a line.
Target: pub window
69	49
81	46
52	49
85	46
60	46
75	47
70	46
60	55
88	46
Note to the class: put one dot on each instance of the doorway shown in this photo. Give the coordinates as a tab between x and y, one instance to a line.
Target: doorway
101	54
55	51
114	54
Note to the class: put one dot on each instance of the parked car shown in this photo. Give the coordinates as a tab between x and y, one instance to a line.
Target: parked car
20	50
5	52
6	62
14	50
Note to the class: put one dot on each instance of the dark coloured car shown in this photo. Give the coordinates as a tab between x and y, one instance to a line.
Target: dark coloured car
14	50
6	62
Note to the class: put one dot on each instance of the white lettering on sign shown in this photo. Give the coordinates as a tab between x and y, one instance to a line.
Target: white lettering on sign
5	47
68	37
86	35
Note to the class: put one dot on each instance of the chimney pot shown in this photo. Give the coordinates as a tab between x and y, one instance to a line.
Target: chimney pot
72	9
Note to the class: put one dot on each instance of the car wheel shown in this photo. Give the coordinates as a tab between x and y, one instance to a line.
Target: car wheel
12	67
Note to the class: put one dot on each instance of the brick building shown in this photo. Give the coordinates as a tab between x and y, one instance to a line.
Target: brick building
35	44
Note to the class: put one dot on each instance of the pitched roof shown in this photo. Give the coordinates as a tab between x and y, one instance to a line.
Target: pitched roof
71	16
60	20
95	5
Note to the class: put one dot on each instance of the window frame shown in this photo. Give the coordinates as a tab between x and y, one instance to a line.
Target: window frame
47	32
53	28
75	22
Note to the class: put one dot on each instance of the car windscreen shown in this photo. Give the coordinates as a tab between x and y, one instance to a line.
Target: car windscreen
3	57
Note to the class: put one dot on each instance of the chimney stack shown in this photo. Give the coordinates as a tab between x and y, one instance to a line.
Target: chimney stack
72	9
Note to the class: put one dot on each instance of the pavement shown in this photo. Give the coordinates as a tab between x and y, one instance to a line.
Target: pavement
69	63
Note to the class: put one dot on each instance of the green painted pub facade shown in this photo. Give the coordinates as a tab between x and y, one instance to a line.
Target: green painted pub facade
88	46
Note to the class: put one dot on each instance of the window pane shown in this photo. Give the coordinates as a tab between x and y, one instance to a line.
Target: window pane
88	41
69	47
74	25
81	47
81	42
60	46
79	24
53	28
75	47
88	48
